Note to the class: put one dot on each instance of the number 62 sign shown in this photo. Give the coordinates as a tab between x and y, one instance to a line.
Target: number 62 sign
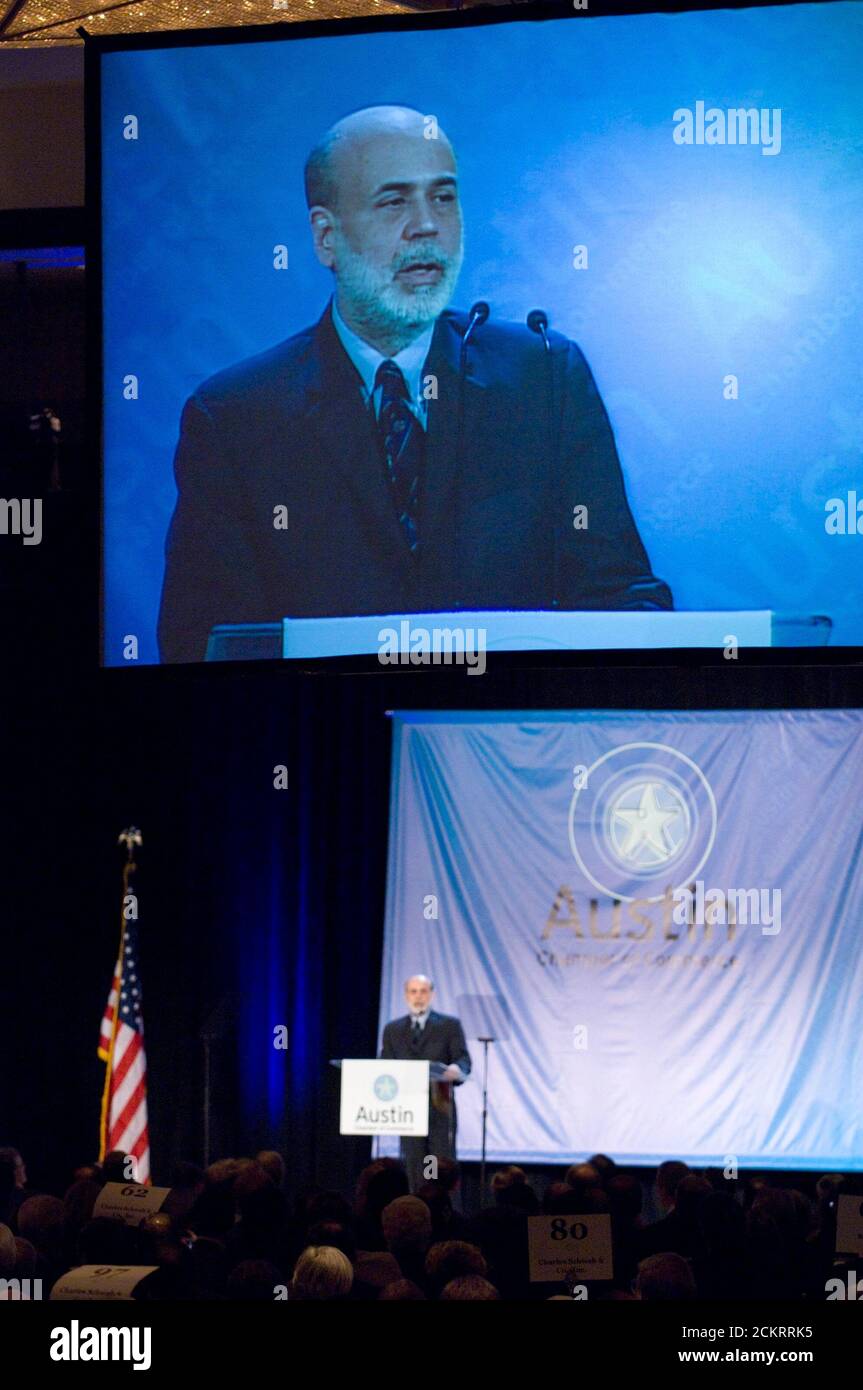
125	1201
560	1245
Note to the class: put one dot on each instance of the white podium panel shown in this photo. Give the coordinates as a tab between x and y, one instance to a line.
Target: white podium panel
517	630
384	1097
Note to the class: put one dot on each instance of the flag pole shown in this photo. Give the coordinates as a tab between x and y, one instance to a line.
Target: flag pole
129	837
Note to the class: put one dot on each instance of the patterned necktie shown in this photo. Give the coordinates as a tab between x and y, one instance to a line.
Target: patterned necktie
402	436
416	1033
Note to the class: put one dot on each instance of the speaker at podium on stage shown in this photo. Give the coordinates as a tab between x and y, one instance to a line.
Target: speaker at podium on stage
424	1035
389	1097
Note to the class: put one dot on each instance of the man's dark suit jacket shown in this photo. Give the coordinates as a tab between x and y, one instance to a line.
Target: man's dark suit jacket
290	428
442	1040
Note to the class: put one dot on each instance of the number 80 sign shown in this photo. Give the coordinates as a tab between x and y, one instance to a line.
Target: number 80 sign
564	1245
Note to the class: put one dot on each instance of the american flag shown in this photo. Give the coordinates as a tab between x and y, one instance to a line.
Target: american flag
121	1045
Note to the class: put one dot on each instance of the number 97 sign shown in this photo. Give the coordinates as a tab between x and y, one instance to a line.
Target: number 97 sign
564	1245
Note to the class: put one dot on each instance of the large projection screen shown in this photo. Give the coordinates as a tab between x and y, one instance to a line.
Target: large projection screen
662	914
680	193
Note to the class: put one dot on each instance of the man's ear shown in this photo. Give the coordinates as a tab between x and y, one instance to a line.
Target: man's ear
323	225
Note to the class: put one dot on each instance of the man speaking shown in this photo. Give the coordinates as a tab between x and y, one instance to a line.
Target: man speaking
398	456
425	1036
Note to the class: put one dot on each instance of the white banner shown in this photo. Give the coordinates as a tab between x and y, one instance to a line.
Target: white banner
657	916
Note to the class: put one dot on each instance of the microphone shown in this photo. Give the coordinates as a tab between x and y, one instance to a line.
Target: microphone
537	322
475	319
477	316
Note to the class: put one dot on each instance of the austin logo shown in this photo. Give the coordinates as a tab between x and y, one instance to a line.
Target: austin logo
386	1087
642	818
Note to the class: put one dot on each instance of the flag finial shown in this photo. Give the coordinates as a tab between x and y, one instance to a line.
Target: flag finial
130	837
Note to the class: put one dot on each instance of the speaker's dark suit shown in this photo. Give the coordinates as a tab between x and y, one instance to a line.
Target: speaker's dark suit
441	1040
289	428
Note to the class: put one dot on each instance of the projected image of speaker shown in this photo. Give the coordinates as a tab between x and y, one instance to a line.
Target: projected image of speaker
592	395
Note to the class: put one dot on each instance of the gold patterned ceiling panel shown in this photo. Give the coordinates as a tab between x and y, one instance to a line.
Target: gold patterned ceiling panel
30	23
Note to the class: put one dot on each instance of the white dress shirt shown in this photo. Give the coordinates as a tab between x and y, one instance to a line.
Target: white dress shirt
367	359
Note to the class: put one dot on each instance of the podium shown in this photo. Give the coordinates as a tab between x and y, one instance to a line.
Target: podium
385	1097
509	631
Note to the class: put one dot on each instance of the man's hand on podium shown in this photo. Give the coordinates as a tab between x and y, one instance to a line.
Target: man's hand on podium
452	1073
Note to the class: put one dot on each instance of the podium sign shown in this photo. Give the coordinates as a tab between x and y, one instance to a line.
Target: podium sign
519	630
560	1245
384	1097
506	631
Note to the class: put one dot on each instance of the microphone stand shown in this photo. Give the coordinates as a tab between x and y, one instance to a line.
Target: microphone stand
485	1042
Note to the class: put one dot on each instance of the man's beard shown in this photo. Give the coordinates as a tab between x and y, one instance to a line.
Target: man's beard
378	304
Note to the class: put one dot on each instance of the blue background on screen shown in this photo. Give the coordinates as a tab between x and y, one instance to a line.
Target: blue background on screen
703	261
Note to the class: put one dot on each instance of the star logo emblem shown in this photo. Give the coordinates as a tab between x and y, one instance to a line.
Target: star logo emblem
386	1088
647	823
642	822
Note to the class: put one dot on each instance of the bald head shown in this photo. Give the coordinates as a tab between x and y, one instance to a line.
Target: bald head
346	141
418	993
386	220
